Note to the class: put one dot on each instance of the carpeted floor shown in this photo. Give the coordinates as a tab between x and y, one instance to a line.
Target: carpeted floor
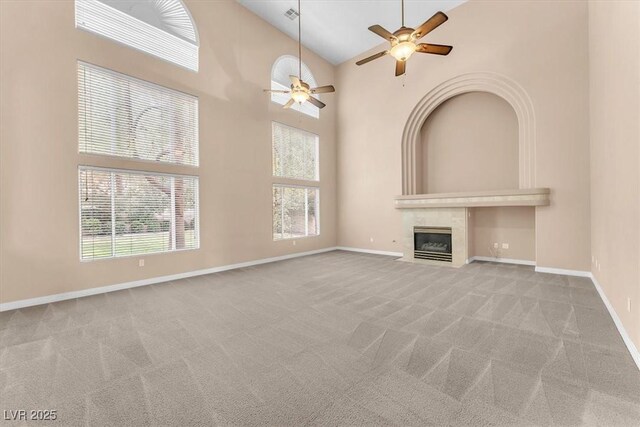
331	339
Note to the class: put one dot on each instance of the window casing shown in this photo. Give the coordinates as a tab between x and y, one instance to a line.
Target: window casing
296	183
126	213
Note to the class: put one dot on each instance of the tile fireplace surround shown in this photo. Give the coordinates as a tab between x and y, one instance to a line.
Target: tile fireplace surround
451	210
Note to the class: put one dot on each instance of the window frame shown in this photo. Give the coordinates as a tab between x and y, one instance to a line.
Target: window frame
282	181
275	123
196	130
312	111
187	58
196	179
318	224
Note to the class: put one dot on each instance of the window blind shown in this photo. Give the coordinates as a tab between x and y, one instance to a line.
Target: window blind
295	211
119	115
100	18
295	153
125	213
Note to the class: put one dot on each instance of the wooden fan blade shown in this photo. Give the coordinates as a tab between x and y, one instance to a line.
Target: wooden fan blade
289	104
382	32
277	91
400	67
316	102
437	49
430	24
295	81
323	89
372	57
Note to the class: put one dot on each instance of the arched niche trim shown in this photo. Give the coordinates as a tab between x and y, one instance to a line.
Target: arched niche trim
493	83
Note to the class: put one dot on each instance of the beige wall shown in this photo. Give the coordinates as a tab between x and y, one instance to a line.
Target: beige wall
470	143
512	225
551	65
39	156
614	40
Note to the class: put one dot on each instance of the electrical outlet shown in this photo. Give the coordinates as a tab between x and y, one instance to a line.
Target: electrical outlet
505	246
371	239
495	245
140	263
629	304
294	243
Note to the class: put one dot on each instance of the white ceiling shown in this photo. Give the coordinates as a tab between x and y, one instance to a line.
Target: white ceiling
337	29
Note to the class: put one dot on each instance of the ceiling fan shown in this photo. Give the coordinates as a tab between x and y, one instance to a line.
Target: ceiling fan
403	41
300	90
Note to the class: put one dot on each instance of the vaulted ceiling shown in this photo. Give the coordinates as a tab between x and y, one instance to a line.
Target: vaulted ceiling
337	29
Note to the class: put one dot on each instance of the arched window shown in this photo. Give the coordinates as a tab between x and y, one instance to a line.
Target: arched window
284	67
163	28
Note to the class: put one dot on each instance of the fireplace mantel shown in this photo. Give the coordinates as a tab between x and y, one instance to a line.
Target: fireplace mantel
519	197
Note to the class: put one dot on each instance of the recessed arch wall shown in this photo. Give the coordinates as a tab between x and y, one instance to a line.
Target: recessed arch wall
493	83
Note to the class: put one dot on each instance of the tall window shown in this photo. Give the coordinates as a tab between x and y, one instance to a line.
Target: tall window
125	212
296	193
162	28
284	67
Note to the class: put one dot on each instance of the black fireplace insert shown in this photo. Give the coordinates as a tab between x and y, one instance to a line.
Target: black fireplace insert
433	243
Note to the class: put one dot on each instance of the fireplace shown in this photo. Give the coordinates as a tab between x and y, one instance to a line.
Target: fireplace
432	243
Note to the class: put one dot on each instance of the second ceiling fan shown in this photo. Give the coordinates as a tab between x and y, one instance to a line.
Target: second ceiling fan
404	41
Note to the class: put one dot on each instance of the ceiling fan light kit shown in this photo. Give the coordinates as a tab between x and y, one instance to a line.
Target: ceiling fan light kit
403	41
403	50
300	91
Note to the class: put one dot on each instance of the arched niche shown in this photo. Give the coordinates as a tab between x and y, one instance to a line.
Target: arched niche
469	143
473	82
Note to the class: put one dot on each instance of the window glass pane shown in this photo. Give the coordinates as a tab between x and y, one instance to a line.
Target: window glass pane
95	214
312	218
143	214
295	153
122	116
277	213
153	213
295	212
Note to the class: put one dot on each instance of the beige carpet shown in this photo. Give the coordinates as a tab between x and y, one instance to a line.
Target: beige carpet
331	339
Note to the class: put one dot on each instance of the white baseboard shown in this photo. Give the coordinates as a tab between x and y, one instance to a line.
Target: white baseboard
501	260
564	272
635	354
368	251
13	305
